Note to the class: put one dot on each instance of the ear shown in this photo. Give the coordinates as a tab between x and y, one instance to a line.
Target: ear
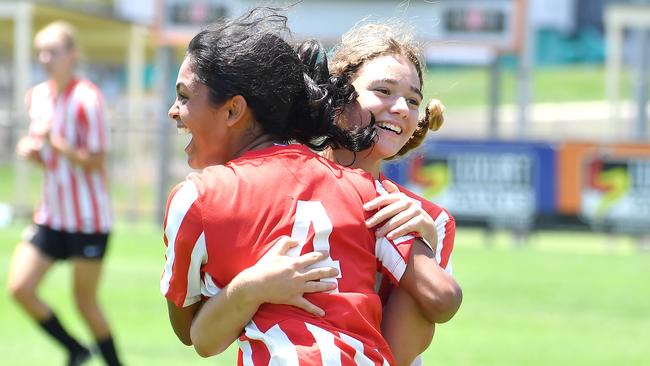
236	109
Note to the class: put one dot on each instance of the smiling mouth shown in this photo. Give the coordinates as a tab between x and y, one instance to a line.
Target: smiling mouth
390	127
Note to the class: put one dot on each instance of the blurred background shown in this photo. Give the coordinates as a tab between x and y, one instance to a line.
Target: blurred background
544	160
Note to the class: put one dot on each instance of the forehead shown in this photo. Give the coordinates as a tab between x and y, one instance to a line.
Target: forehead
49	40
394	67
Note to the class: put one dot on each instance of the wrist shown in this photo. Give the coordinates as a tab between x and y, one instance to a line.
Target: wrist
244	291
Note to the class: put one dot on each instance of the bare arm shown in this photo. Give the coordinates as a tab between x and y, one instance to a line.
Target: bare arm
181	320
406	330
276	278
82	157
436	292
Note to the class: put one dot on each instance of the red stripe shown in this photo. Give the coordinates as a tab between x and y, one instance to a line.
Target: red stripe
259	353
75	199
82	127
347	352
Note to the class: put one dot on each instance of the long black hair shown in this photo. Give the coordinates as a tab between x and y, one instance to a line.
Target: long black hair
291	96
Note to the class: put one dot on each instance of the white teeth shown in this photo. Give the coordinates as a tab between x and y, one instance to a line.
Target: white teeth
390	126
183	130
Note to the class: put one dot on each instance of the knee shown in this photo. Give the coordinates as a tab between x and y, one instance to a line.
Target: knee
21	292
86	302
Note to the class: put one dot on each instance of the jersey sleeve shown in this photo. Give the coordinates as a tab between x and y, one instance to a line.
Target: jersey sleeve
446	232
393	256
186	252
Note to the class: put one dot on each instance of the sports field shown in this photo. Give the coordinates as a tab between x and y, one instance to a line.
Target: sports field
563	299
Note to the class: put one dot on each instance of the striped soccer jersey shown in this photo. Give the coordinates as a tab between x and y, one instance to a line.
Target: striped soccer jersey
445	230
73	199
226	218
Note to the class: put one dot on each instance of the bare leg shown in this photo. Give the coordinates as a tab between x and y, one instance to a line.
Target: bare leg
87	273
408	332
28	267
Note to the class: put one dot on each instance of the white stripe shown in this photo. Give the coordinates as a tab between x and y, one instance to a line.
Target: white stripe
208	287
180	204
359	357
198	258
440	223
85	203
390	257
68	219
103	201
330	354
283	352
247	352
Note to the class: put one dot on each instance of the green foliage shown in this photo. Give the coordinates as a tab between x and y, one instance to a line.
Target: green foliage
564	298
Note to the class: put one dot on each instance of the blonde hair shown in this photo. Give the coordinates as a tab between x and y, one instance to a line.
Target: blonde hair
65	30
367	41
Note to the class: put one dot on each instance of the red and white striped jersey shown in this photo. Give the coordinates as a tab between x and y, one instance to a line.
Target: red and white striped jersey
445	227
226	218
73	199
446	234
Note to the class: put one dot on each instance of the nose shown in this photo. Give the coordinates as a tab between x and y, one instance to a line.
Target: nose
44	57
173	111
400	107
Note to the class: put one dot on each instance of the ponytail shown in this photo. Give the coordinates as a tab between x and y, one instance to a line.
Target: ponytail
432	120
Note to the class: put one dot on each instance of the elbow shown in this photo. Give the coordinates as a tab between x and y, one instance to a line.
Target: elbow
444	303
208	349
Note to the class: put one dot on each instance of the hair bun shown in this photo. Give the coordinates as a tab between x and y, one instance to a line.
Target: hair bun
434	115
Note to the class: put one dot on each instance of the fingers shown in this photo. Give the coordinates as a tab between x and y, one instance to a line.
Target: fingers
395	221
406	228
282	246
319	273
307	306
389	186
382	201
388	212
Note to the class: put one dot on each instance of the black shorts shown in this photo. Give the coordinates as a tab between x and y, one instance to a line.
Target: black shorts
63	245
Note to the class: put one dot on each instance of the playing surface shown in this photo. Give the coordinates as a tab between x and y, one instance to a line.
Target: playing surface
564	299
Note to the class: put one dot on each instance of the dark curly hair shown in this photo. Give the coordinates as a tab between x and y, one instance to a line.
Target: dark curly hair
291	98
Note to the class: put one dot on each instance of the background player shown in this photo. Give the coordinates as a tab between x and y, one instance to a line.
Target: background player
67	137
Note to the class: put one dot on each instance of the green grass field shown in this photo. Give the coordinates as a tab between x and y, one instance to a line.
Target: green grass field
563	299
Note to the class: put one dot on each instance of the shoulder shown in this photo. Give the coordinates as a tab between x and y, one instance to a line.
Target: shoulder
37	92
87	92
432	208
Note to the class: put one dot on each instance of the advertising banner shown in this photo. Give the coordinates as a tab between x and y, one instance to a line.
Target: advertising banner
615	194
500	183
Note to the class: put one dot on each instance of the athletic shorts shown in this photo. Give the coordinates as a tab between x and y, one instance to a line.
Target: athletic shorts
61	245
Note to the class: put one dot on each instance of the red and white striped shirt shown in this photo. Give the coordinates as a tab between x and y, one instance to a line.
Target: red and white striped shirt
226	218
445	231
73	199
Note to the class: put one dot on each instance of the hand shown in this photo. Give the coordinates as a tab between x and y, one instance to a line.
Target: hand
280	279
401	215
28	147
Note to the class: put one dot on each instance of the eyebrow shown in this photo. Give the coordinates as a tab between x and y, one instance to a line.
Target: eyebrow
394	82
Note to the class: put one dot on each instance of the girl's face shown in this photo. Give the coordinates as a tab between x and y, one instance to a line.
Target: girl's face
388	87
57	59
205	122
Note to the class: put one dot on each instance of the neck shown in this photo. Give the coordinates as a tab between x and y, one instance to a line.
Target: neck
62	82
259	142
362	160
